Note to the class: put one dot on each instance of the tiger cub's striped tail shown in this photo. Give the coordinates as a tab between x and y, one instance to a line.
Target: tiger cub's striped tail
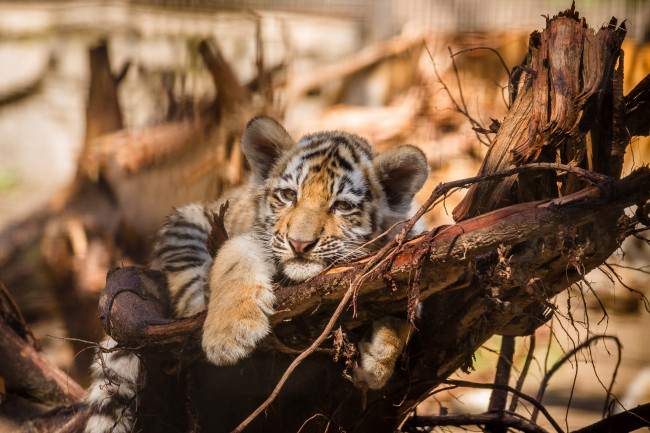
180	253
112	395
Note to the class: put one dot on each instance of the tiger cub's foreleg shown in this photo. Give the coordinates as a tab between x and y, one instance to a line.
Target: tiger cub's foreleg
379	354
241	300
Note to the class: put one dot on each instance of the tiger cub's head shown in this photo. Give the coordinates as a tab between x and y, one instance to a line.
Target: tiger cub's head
326	195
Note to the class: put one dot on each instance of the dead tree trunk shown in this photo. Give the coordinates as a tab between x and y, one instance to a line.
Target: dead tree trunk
520	240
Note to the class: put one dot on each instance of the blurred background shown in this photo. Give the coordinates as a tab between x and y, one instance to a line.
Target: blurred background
113	112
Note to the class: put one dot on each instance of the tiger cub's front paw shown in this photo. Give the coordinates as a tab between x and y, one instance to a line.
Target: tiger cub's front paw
233	330
241	301
378	355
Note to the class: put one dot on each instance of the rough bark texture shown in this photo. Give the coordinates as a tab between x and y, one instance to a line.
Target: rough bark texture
24	370
566	110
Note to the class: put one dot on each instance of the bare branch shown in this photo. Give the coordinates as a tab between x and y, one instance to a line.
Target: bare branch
520	394
27	372
524	372
487	420
557	365
499	397
621	423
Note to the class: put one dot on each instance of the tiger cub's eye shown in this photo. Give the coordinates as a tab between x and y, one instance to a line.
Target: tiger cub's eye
288	194
343	205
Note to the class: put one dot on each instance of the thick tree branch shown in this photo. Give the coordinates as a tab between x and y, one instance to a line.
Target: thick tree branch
448	257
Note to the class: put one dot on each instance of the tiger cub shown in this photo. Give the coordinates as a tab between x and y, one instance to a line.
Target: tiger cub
305	205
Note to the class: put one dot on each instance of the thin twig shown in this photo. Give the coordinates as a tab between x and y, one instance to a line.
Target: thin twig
632	268
309	419
453	101
646	303
521	395
524	372
490	49
557	365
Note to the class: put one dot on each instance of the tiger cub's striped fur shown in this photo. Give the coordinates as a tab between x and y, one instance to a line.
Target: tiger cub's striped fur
306	205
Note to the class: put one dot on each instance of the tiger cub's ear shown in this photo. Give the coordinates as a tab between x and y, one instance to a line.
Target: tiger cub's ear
402	171
263	141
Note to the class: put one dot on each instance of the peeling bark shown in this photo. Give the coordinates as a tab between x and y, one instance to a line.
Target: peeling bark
569	70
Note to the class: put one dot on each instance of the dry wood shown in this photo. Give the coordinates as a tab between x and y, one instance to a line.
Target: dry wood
103	114
27	372
570	71
624	422
448	252
637	104
127	152
487	421
229	91
131	151
499	397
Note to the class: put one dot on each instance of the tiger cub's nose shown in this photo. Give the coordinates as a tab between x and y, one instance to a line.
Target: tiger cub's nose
301	247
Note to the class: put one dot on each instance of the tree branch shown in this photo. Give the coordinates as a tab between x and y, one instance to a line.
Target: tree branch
448	253
487	420
621	423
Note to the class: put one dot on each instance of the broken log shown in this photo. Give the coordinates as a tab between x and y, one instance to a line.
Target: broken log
570	72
